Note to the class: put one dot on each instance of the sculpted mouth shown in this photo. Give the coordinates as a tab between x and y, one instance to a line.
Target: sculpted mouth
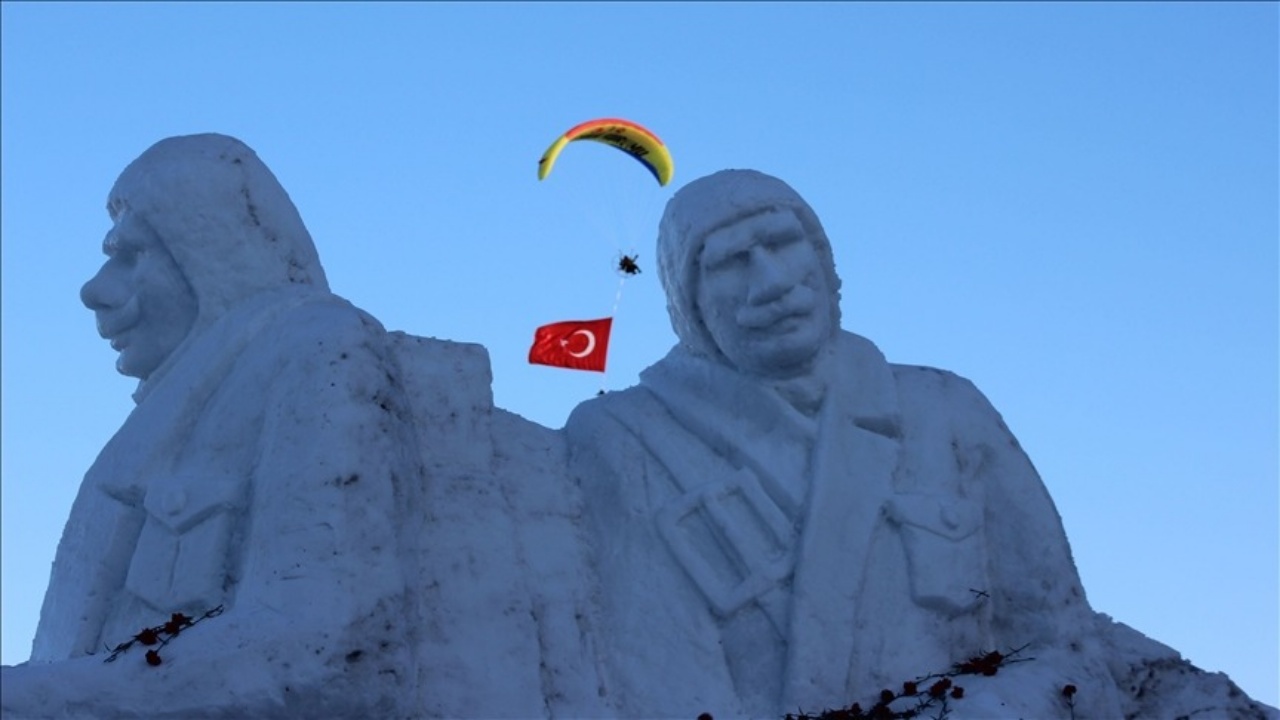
782	323
113	329
115	322
778	317
782	314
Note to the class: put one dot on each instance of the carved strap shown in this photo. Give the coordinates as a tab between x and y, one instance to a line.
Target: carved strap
728	535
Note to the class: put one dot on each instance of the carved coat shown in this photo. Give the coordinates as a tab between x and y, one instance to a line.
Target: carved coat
756	560
209	495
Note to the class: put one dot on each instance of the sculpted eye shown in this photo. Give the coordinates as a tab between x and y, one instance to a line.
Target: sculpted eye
729	261
777	242
127	255
128	251
110	245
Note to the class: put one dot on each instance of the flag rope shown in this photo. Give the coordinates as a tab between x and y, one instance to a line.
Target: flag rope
617	299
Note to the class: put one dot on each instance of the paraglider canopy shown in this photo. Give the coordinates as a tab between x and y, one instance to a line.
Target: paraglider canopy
624	135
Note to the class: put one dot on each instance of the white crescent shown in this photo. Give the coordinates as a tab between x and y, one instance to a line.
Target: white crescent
591	343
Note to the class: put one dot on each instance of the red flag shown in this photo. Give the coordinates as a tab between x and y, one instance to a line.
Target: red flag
574	344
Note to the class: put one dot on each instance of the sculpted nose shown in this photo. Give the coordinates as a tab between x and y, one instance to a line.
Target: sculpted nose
769	277
102	292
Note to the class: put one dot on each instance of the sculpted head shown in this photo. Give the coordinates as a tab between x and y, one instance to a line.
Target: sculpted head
143	303
748	273
199	225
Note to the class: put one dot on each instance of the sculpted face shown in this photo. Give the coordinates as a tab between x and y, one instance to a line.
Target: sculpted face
142	301
763	295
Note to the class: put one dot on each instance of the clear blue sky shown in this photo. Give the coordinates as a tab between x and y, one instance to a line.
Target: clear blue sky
1073	205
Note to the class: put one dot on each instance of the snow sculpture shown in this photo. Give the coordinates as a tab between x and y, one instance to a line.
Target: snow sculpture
260	472
774	519
374	538
783	521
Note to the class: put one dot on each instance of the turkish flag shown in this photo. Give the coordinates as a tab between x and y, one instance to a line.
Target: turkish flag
573	344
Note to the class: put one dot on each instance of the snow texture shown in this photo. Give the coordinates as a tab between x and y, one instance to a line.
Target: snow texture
775	519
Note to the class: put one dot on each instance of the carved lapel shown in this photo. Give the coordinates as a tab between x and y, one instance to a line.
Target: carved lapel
854	462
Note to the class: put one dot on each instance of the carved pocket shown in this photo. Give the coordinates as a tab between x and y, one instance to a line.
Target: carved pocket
945	554
181	557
